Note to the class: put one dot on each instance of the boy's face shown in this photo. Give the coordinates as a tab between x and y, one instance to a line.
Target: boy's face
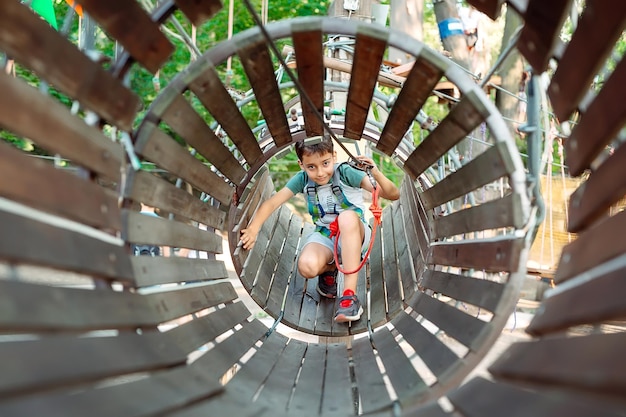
319	167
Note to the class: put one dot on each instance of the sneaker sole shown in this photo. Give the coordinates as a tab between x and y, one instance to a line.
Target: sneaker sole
323	294
342	318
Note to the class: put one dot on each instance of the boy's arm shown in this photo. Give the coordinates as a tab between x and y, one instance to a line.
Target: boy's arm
249	234
388	189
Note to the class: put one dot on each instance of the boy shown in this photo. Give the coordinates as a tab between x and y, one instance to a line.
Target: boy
327	201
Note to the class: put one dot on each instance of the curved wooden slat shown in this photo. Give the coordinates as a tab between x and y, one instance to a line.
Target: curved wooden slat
494	214
62	65
416	89
256	60
194	130
209	89
541	34
161	149
150	189
31	307
527	361
199	11
556	313
591	44
487	167
38	184
478	292
310	64
605	187
28	113
463	118
582	255
142	229
26	240
589	137
492	254
161	270
129	24
369	50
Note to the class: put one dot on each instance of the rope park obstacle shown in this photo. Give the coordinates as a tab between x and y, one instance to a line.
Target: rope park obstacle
126	335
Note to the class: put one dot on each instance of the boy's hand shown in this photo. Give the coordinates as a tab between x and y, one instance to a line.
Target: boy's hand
248	238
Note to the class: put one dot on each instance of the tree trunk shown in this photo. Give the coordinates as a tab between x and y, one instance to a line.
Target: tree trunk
407	16
512	75
451	31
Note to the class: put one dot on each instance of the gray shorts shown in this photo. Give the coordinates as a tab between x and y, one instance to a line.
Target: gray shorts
317	237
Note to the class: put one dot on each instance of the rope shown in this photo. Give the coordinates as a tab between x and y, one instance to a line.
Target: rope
377	212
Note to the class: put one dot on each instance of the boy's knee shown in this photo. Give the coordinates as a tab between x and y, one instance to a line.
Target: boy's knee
307	268
349	218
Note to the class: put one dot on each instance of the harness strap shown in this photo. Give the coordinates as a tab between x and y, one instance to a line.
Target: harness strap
377	212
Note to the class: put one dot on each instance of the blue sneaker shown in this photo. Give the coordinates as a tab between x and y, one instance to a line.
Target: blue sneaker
349	309
327	284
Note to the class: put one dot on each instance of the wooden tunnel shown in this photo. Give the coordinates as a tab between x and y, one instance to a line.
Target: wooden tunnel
86	328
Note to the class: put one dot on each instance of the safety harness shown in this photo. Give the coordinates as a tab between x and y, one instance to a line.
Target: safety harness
317	212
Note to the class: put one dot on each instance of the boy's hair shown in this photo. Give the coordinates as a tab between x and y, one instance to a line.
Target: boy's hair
321	147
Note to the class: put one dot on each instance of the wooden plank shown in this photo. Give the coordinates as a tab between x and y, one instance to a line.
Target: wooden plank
161	270
605	186
596	357
408	280
165	390
60	361
417	88
139	228
308	47
540	34
597	30
361	292
156	192
600	123
285	268
323	315
257	62
500	213
404	378
225	354
556	313
31	307
271	258
491	8
372	390
478	292
245	384
378	300
368	55
470	401
26	112
158	147
487	167
36	183
295	295
390	268
129	25
62	65
492	255
439	358
337	395
455	323
465	116
280	382
417	236
307	395
257	253
181	117
593	247
197	11
209	89
26	240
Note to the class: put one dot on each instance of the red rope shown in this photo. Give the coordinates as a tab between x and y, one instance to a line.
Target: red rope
377	212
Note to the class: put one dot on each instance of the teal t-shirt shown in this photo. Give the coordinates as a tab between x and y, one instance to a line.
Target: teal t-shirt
347	174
